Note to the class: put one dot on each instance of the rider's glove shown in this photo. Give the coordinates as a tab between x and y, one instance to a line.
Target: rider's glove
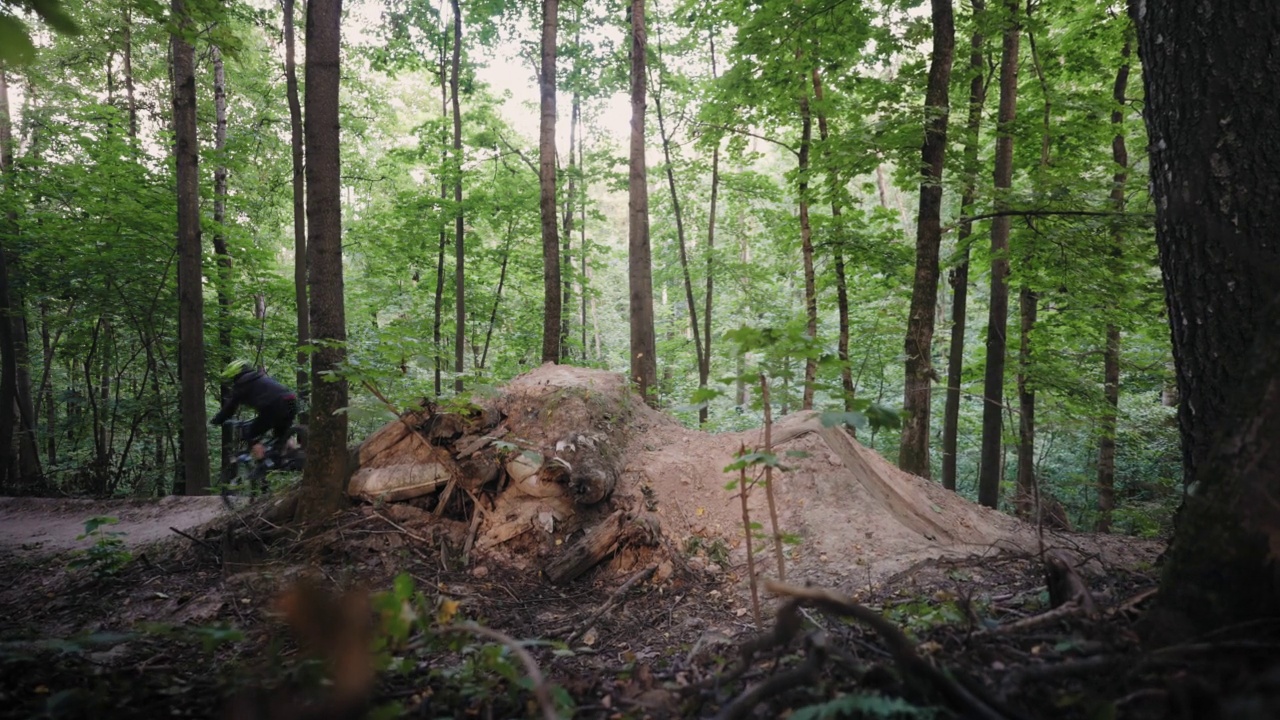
217	419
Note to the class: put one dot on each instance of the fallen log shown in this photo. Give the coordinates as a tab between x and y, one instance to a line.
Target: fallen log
398	482
591	548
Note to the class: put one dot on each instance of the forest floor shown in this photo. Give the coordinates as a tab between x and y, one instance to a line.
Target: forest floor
241	617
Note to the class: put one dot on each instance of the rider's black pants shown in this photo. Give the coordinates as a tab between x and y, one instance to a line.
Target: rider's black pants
276	417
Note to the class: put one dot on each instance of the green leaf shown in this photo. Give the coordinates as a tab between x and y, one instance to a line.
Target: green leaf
15	41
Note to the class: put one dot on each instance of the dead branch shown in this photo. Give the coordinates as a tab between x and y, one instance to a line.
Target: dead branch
401	528
805	674
612	602
202	543
1045	618
900	647
540	690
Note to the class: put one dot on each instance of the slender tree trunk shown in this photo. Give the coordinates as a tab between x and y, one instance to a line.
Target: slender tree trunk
8	380
842	283
704	370
569	200
680	239
806	251
459	256
644	362
325	476
989	474
1028	492
220	240
299	209
917	401
438	308
497	296
547	184
960	275
1111	353
195	442
45	394
128	73
29	470
582	243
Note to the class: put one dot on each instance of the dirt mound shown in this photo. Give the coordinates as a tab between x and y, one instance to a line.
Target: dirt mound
857	518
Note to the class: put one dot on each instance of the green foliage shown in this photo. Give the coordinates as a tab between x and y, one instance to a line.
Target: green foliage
107	555
417	633
922	615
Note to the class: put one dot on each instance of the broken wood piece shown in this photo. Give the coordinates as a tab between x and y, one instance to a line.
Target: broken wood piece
1065	584
398	482
592	474
468	446
613	601
1045	618
590	549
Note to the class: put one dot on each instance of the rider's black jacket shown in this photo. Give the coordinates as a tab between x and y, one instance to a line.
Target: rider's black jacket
256	389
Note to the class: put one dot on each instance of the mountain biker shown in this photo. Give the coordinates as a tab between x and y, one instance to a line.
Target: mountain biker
276	404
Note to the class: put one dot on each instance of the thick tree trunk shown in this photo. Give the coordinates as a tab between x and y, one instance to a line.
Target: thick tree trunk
459	248
989	473
325	476
644	362
1111	353
220	241
299	209
960	275
195	441
547	184
917	400
1212	90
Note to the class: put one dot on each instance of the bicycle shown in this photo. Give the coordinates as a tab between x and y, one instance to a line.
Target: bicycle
245	471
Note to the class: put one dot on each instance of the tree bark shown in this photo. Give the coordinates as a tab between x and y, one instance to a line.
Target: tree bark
842	282
195	441
704	370
128	74
547	183
299	209
1212	90
459	255
644	362
960	276
438	307
1111	352
567	308
220	241
325	475
917	401
806	252
989	473
1025	497
680	239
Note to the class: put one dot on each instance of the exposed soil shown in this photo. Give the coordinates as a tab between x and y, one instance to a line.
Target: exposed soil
132	644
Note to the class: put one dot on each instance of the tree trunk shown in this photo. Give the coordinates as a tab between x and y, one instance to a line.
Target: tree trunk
1111	353
128	74
1212	90
325	475
195	441
842	283
704	370
644	362
299	210
570	198
438	308
680	239
806	252
459	248
917	400
989	473
547	186
44	395
220	241
1025	496
960	276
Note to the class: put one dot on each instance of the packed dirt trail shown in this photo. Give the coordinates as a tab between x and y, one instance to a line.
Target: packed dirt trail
52	525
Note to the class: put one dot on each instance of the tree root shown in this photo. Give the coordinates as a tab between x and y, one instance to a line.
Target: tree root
915	669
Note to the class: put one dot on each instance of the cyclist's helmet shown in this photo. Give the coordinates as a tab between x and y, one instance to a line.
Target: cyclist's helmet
235	368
